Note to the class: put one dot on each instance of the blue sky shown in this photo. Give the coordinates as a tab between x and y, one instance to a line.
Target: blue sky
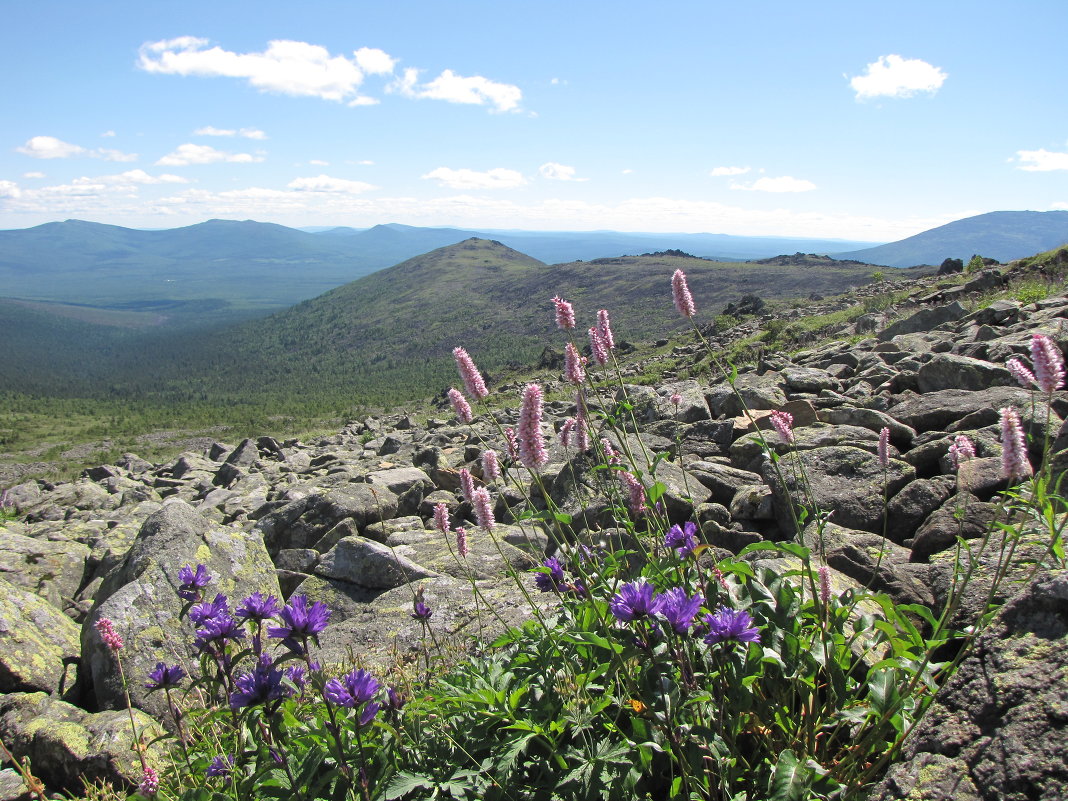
858	120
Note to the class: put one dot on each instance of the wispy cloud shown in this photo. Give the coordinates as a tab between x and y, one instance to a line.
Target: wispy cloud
33	174
49	147
1041	160
894	76
717	172
325	183
248	133
783	183
499	178
187	154
454	88
558	172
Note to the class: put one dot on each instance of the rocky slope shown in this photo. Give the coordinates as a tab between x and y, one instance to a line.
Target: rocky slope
347	520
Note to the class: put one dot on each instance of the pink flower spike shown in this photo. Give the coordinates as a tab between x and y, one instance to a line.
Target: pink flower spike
598	347
491	468
106	629
461	541
483	509
149	785
609	452
441	517
573	369
884	448
460	405
472	378
680	292
676	399
532	451
582	433
467	484
513	443
784	424
961	450
1048	362
1014	462
565	432
1023	376
635	493
605	329
565	313
825	585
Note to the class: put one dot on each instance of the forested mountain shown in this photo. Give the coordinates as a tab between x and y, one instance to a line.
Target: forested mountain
1001	235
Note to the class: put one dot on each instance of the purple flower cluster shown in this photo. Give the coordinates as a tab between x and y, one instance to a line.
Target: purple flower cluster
682	538
260	685
549	577
192	582
353	690
730	625
164	677
300	622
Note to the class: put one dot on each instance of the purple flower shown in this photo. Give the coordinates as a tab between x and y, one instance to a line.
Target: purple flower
682	538
1048	362
421	611
396	699
679	609
300	621
783	422
368	713
193	581
163	677
472	378
635	601
221	766
257	607
884	448
574	370
354	688
219	630
298	675
460	405
532	451
565	313
1014	462
551	581
483	508
258	686
680	293
730	625
205	610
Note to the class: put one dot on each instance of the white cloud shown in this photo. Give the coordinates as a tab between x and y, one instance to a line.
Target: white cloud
498	178
49	147
9	189
454	88
374	61
248	133
894	76
33	175
324	183
1041	160
717	172
107	134
1061	206
187	154
137	177
286	67
782	184
318	163
558	172
628	171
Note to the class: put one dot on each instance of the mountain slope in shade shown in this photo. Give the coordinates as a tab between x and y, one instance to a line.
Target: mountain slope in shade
1001	235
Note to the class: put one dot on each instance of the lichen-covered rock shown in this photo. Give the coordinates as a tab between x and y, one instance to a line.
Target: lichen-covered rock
997	731
141	597
489	555
53	570
36	643
371	564
66	745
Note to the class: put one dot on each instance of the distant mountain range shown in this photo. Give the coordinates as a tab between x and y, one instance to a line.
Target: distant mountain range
1001	235
252	266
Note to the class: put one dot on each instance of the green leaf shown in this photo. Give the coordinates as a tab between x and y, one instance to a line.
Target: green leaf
791	779
405	782
656	492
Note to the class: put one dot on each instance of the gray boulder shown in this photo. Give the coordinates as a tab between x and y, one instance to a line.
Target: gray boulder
37	641
370	564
